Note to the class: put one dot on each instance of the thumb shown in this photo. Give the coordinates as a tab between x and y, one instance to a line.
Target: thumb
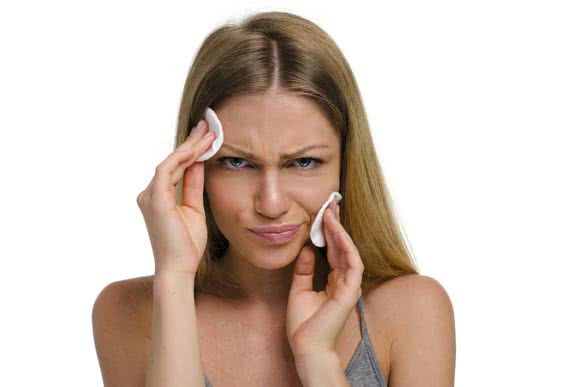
304	269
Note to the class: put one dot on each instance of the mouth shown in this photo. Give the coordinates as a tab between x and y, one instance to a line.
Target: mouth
278	237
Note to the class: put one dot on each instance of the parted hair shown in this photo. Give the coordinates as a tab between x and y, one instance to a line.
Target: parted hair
280	50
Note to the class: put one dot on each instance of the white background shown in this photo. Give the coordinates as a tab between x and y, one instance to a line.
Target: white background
478	114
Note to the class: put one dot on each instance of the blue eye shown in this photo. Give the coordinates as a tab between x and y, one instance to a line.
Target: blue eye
223	159
227	164
317	161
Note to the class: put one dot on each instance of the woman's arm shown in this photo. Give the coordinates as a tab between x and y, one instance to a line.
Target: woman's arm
321	370
175	358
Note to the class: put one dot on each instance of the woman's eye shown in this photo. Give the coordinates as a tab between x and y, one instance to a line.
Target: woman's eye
308	160
227	163
223	159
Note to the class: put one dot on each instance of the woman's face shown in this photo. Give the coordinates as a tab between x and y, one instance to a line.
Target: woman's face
254	178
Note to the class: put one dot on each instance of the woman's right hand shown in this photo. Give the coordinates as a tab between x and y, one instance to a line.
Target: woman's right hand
178	234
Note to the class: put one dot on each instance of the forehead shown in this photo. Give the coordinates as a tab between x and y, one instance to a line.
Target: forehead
274	123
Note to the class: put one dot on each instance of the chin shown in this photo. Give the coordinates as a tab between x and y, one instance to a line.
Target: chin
275	257
275	260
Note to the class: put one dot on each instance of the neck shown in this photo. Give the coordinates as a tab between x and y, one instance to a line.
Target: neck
246	285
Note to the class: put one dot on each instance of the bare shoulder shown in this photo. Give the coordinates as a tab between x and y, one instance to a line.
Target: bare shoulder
413	291
130	299
404	296
420	325
121	325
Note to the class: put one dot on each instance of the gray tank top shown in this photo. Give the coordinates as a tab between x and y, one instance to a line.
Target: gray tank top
363	369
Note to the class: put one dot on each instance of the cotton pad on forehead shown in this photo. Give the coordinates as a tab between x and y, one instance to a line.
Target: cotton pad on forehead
215	127
317	235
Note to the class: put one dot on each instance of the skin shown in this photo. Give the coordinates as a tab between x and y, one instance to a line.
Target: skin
411	324
266	188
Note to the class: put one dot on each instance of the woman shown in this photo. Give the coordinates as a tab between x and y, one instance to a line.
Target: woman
226	306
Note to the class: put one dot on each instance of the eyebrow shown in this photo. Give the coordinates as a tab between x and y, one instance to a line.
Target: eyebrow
284	156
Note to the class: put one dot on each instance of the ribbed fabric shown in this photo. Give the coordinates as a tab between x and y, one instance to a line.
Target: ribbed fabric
363	369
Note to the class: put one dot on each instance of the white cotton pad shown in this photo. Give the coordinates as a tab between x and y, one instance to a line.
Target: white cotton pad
215	127
317	234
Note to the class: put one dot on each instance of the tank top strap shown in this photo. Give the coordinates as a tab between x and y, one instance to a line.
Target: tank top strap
362	317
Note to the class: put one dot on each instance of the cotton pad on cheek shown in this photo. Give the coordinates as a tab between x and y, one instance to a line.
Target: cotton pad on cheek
317	235
215	127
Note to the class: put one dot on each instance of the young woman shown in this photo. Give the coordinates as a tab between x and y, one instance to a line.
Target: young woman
228	306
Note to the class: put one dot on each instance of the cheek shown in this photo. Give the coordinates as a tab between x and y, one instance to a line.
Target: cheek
225	208
313	199
223	198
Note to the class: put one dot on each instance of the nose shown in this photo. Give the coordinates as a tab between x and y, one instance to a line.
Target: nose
272	199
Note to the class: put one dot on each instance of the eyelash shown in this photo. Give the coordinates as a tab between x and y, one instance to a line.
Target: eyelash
221	160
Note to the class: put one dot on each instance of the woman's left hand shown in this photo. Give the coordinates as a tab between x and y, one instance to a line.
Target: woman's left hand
314	319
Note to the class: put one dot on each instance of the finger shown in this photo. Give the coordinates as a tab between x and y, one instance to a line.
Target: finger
196	133
161	182
193	182
181	160
333	224
183	154
344	244
302	279
195	152
332	249
193	186
338	233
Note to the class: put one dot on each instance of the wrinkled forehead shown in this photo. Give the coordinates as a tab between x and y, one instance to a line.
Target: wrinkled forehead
274	124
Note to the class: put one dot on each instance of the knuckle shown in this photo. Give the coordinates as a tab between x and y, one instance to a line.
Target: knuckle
141	199
172	161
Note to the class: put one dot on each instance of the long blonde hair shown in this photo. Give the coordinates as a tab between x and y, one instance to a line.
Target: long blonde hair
281	49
